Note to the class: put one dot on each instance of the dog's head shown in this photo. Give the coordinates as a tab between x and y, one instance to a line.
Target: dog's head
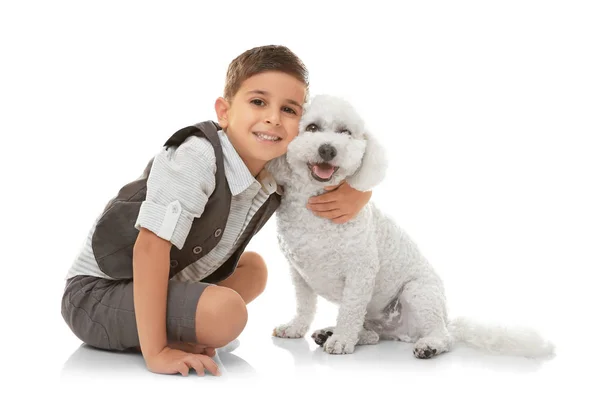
333	145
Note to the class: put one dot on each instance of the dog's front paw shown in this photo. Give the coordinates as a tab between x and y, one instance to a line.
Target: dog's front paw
290	330
336	344
365	337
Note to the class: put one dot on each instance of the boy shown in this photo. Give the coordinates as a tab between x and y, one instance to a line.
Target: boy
164	270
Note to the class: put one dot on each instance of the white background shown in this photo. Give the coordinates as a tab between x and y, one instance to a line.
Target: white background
490	115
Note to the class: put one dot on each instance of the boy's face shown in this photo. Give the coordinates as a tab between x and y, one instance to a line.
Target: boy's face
263	116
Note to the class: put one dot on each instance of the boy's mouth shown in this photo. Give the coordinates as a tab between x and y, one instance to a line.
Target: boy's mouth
322	171
264	137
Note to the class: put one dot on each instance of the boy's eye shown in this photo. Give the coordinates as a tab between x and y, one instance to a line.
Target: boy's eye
312	127
257	102
289	110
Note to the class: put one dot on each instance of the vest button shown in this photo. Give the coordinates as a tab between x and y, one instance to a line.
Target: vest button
174	263
197	250
218	232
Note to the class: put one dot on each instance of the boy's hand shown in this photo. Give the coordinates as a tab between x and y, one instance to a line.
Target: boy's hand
341	204
173	361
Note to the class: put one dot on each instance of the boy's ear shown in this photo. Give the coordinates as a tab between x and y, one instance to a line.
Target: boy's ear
222	110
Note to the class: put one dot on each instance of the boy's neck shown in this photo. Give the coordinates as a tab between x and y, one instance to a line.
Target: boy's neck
255	167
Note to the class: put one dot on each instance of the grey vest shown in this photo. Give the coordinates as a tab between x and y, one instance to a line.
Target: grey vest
115	233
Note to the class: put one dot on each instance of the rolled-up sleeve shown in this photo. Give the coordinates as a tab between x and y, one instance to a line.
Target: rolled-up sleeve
179	184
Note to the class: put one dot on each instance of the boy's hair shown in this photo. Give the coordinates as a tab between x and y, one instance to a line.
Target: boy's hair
260	59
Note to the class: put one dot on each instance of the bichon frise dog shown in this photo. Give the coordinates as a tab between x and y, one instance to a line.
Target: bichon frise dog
384	287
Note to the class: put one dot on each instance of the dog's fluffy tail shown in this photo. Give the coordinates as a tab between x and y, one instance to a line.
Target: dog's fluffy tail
501	340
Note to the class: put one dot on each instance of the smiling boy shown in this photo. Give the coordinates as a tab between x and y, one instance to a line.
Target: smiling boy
164	269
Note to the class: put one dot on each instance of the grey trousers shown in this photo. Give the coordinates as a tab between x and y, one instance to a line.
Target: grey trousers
101	313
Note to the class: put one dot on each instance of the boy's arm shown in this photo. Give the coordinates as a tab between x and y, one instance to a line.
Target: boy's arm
150	283
179	184
150	287
341	204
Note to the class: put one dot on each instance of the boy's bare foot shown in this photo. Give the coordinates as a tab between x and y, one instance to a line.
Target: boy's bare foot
193	348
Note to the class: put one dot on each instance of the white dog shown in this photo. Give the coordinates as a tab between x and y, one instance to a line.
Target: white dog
384	286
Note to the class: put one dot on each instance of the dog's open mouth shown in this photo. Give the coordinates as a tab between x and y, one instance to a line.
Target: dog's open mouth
322	171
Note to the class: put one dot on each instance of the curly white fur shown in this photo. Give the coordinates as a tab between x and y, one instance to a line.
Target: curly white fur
384	286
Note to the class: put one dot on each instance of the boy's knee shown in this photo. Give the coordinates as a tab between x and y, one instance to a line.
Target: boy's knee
221	316
256	261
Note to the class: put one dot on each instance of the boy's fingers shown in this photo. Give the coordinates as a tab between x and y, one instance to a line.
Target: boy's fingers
330	214
323	199
183	368
327	206
211	366
198	366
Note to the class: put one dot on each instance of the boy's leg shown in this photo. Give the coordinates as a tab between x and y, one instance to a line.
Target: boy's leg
221	316
100	312
249	278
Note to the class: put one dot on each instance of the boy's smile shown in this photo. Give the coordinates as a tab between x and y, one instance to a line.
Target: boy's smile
267	136
263	116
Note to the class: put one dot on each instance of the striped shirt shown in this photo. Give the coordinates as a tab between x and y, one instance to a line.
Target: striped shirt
179	184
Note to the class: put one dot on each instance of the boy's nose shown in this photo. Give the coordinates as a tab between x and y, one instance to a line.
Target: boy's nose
327	152
273	119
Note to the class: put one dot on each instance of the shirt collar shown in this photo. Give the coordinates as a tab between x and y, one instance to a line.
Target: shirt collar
237	173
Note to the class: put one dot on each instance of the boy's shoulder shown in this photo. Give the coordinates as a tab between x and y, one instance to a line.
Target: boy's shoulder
207	129
198	145
198	142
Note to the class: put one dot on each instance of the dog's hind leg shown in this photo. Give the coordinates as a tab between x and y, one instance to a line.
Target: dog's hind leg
365	337
427	317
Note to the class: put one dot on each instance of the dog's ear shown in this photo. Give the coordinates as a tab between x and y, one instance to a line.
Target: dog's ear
280	170
372	168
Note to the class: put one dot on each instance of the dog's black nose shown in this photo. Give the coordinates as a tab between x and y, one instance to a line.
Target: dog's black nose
327	152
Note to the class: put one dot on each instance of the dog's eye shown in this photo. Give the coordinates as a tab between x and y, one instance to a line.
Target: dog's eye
344	131
312	127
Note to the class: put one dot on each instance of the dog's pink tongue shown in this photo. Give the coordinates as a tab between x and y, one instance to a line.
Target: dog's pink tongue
324	171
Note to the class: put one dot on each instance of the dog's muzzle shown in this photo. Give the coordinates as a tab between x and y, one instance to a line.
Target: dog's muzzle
324	171
327	152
